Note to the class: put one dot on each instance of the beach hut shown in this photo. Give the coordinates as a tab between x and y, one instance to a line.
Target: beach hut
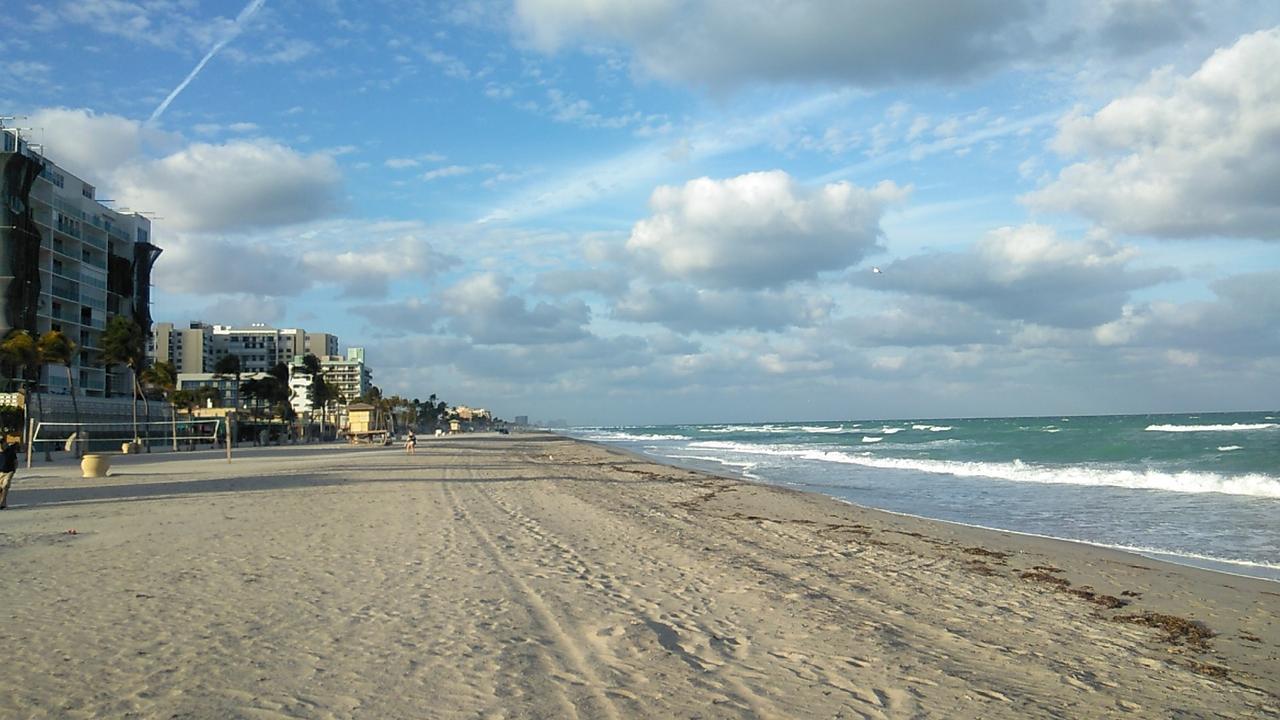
364	424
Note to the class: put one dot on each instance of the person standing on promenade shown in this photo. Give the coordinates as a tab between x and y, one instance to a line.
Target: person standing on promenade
8	466
411	444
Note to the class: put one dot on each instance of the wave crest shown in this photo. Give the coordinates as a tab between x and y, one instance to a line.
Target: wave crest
1234	427
1252	484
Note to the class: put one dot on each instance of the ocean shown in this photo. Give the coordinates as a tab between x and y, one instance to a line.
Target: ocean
1199	489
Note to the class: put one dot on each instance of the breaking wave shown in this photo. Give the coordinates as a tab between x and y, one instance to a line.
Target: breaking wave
1234	427
1252	484
616	436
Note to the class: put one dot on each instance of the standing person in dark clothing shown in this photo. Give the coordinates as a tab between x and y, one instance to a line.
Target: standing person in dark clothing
8	466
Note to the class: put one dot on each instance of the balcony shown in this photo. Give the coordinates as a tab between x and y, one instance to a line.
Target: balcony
64	290
98	242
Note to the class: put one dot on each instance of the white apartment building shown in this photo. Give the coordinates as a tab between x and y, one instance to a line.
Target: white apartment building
258	346
198	347
196	350
349	374
69	263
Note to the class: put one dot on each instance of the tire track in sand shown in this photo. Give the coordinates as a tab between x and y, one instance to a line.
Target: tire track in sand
570	652
675	639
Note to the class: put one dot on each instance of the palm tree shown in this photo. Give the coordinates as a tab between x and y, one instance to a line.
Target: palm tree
206	394
163	376
124	343
55	347
322	393
229	365
18	354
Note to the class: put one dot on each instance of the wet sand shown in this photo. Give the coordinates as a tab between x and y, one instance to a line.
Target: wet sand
534	576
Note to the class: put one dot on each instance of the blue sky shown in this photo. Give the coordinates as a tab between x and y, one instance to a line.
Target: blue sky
669	211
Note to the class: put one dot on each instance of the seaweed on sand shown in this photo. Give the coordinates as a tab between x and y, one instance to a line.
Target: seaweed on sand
983	552
1179	631
1044	577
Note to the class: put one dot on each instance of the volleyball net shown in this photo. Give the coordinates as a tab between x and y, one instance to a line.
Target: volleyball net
99	436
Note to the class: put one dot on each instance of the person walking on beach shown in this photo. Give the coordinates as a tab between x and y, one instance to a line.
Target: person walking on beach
411	444
8	466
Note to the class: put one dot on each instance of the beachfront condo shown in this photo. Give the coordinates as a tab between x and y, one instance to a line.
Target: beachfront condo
68	262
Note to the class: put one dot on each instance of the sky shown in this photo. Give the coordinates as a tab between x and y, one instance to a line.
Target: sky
668	211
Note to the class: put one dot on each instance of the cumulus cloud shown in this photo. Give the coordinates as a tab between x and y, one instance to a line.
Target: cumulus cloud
481	307
233	186
202	187
213	265
758	230
360	258
920	322
1182	156
389	252
866	43
92	145
686	309
1132	26
722	43
1028	273
240	309
609	282
1239	322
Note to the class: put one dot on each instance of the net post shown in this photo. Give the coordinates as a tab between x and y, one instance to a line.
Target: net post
31	439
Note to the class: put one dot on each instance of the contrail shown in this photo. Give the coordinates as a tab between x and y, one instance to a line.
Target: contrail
241	19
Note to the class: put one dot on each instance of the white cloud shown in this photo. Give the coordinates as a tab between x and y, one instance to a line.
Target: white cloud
136	22
245	309
1239	322
232	186
481	308
1183	156
89	144
685	309
866	43
1028	273
400	163
447	171
236	185
366	269
359	257
920	322
727	43
758	230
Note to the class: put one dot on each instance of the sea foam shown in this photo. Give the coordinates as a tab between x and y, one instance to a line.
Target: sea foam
614	436
1252	484
1234	427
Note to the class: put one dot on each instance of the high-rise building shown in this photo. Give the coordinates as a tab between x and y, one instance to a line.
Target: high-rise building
190	349
69	263
349	374
200	346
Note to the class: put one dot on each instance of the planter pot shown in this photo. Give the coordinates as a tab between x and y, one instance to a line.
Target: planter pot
94	465
130	448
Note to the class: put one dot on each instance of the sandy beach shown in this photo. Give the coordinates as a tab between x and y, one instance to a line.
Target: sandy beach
535	576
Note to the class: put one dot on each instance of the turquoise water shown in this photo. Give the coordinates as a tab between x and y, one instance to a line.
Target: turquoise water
1202	489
